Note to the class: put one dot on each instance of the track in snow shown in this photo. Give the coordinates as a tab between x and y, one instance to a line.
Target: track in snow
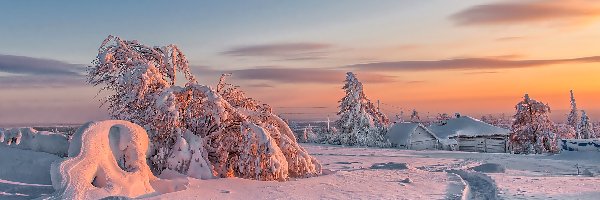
479	185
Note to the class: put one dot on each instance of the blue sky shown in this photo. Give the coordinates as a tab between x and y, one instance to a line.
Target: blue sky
71	30
471	56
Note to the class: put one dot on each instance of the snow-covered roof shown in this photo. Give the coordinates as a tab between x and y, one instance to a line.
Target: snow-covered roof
448	141
401	132
466	126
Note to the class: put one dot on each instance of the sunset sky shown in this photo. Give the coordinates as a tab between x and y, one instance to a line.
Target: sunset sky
469	56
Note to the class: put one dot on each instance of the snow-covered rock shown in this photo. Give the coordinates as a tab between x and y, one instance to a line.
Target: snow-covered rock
106	158
31	139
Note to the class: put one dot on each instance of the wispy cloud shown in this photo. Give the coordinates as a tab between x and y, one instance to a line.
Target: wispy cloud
59	81
29	72
278	74
261	85
567	11
506	39
288	51
465	64
305	75
483	72
415	82
37	66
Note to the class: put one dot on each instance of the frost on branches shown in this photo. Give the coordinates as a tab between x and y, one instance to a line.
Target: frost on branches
414	116
532	130
360	121
194	129
585	128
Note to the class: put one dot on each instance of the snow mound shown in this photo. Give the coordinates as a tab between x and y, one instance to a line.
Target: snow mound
390	166
31	139
489	168
106	158
116	198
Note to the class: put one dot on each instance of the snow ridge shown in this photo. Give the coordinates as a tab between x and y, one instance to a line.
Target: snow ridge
30	139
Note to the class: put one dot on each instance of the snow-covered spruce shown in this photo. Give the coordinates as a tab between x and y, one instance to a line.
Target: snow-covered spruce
360	122
106	158
233	135
532	130
573	117
585	128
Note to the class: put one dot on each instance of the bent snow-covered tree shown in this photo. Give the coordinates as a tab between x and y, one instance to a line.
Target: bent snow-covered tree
532	130
194	129
360	122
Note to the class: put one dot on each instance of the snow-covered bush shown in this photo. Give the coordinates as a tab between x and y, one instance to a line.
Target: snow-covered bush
565	131
360	122
329	136
194	128
31	139
308	135
532	130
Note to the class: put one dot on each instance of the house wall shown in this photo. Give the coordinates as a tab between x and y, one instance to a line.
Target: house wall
489	144
423	140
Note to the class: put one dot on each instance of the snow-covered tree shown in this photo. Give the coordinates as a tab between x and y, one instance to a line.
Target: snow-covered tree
308	135
414	116
585	128
501	120
565	131
441	118
596	128
532	130
360	122
194	126
573	117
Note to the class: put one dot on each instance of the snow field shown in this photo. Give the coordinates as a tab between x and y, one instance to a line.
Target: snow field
363	173
24	174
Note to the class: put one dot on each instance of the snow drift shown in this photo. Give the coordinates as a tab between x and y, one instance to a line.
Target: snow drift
106	158
31	139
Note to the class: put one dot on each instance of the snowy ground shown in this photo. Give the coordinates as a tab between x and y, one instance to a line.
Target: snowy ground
24	174
365	173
